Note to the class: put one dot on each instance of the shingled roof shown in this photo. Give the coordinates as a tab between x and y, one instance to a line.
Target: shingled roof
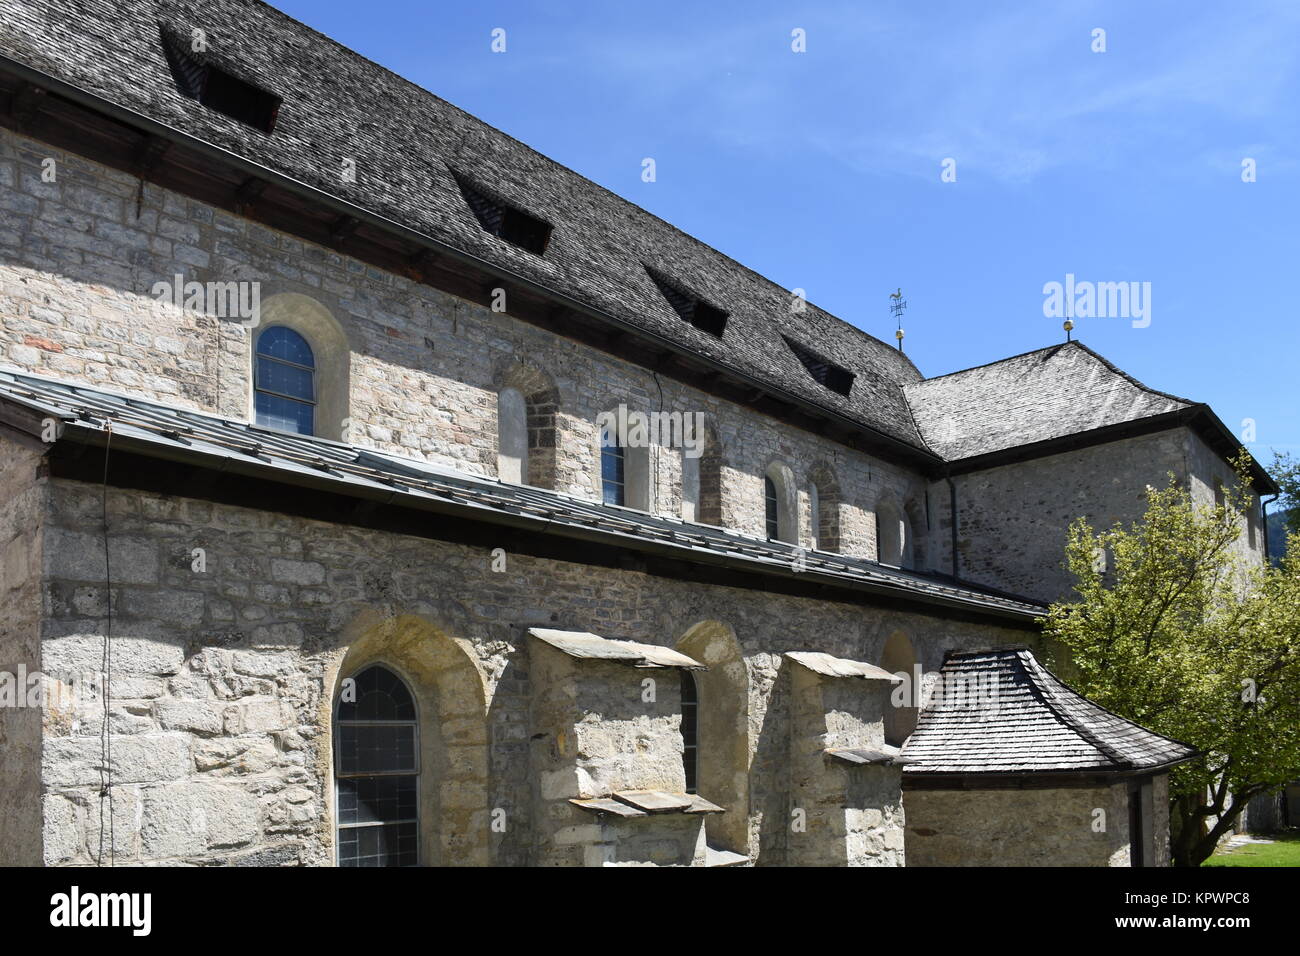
410	148
999	713
237	449
419	160
1062	390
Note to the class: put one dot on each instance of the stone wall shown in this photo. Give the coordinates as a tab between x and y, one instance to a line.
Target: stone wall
848	815
1012	520
22	519
419	370
222	680
1018	827
597	727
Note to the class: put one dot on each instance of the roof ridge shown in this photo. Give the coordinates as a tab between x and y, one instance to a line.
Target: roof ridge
1107	710
1130	379
1059	707
1009	358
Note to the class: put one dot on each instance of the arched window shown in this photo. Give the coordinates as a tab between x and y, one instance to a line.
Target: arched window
285	381
690	487
722	732
613	469
771	508
512	436
814	517
824	507
916	526
528	406
690	730
898	657
375	767
780	509
710	510
891	534
625	463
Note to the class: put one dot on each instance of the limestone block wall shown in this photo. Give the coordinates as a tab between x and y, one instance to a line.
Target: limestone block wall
1012	520
22	518
223	680
1018	827
1206	472
404	368
846	815
598	727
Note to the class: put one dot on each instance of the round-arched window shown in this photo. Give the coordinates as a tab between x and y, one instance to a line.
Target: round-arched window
376	770
284	381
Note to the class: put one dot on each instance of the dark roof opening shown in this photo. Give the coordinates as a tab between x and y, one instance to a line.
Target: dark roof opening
834	377
697	312
505	221
218	89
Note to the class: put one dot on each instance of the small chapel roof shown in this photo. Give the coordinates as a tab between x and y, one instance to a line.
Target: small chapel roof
1001	713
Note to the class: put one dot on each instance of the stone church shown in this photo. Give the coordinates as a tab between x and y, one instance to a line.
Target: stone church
376	491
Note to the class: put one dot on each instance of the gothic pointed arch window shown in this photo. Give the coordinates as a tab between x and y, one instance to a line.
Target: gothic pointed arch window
376	770
285	381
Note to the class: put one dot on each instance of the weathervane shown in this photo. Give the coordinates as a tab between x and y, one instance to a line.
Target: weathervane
897	305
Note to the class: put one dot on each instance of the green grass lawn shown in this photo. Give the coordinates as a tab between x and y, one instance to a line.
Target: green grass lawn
1284	851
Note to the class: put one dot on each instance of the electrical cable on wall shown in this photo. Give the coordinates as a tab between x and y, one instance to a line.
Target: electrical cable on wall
105	735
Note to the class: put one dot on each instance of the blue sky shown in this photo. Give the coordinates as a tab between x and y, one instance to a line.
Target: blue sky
821	170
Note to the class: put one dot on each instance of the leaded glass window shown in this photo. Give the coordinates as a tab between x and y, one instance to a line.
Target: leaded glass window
285	381
376	766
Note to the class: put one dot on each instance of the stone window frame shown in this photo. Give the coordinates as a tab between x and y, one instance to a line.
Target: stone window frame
786	491
893	532
825	501
325	336
512	436
725	748
702	482
639	462
450	689
898	656
541	424
417	772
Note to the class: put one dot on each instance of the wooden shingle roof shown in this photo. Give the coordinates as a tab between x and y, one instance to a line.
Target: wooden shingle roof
1049	393
1000	712
412	152
429	170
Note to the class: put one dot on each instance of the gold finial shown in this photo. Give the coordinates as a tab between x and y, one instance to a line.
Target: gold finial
1068	325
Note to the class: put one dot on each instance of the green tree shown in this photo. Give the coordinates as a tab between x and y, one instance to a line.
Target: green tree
1286	472
1174	630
